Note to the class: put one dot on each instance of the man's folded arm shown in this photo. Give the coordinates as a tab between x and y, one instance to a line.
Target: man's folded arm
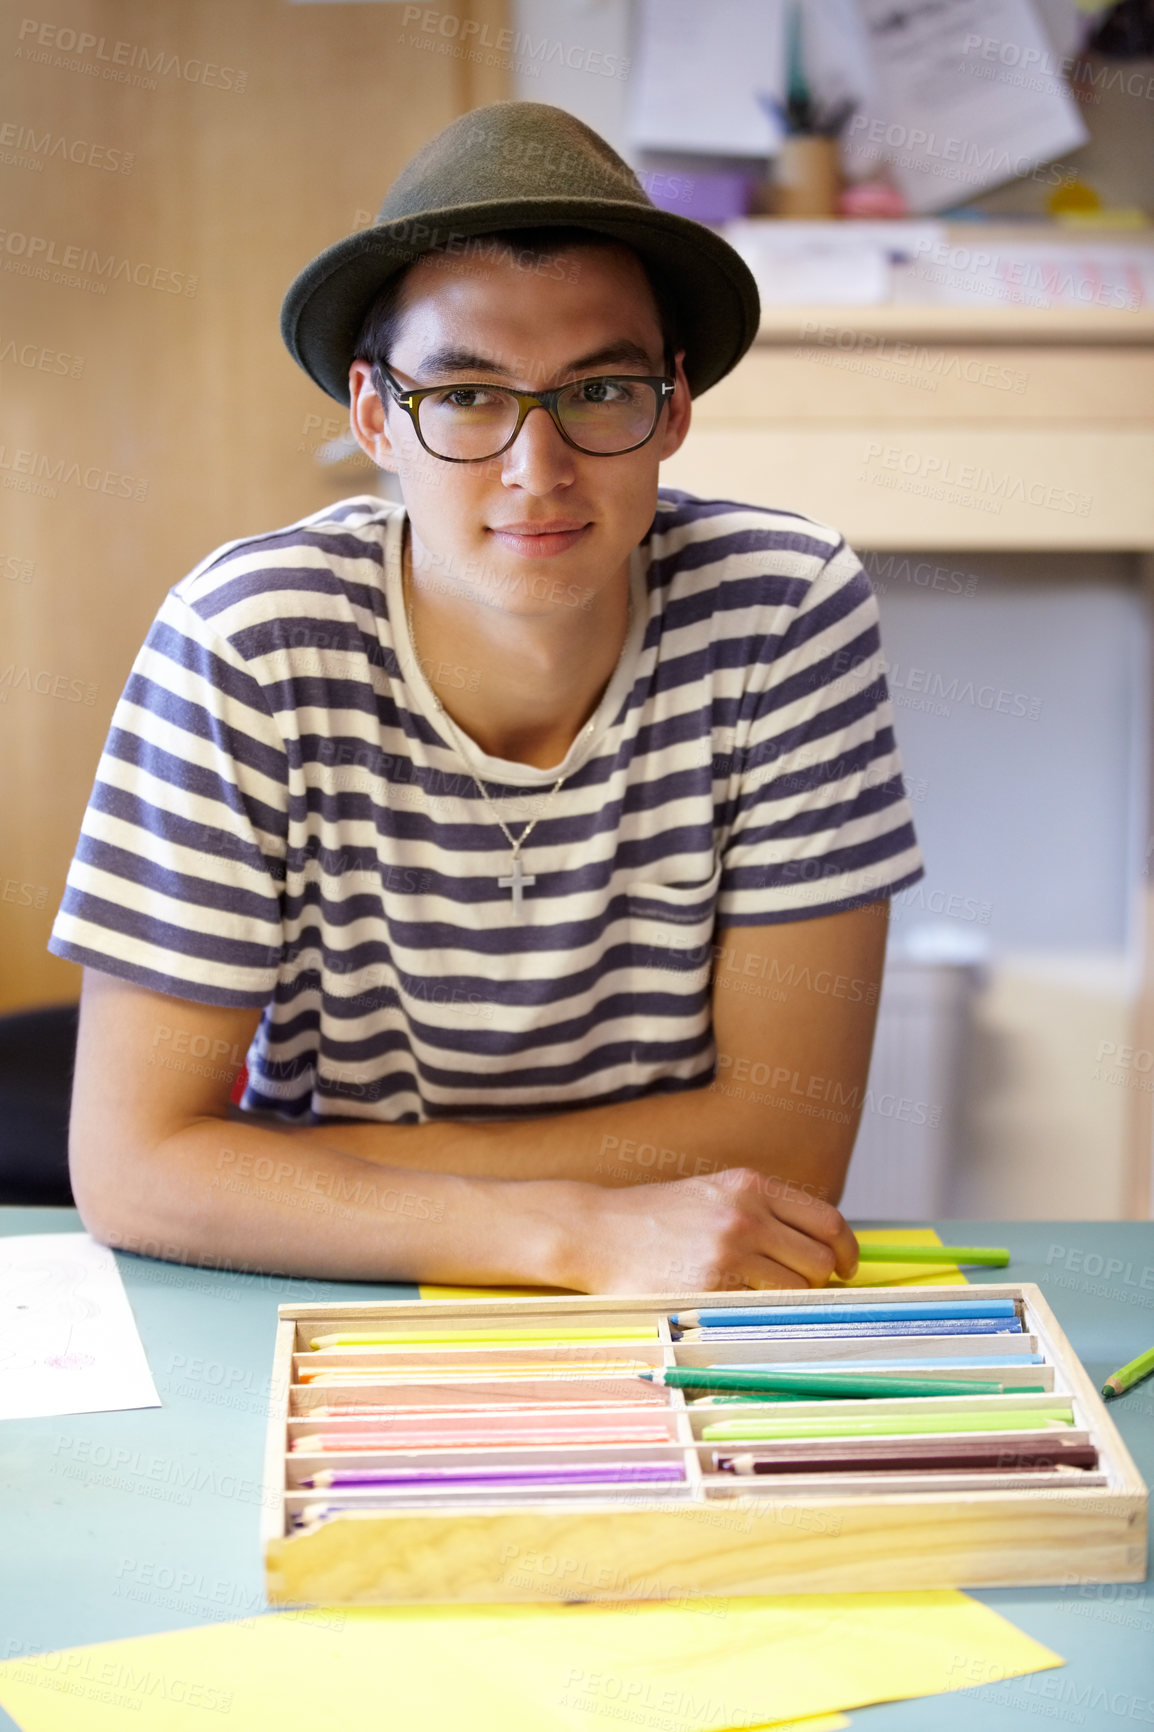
159	1167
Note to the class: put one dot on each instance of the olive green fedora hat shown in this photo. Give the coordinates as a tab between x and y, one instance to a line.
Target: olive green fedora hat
516	165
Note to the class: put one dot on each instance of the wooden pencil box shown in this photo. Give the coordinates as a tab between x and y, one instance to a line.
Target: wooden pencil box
705	1536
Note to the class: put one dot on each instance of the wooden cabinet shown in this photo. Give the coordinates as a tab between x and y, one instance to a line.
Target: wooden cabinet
940	428
167	170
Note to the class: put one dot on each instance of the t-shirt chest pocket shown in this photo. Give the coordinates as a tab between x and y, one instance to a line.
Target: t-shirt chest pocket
671	925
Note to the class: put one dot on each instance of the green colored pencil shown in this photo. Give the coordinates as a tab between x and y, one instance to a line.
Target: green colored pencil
844	1383
769	1395
1119	1381
696	1401
883	1425
992	1257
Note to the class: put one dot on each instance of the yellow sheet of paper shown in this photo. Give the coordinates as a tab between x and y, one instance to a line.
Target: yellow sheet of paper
551	1668
871	1275
902	1274
819	1723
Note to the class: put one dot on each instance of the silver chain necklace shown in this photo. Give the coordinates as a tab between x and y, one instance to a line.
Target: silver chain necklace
517	877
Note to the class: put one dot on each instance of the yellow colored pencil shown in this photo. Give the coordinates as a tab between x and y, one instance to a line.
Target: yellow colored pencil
486	1337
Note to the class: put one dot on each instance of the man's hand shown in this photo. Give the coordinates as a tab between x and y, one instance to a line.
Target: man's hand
733	1230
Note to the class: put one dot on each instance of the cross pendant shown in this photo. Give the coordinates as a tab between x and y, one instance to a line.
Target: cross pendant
514	880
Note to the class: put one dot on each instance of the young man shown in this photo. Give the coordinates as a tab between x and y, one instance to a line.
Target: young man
530	838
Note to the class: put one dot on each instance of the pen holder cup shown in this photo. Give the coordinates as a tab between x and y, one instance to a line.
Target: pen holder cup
806	177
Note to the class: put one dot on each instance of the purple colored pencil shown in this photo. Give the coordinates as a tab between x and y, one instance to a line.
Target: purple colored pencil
605	1473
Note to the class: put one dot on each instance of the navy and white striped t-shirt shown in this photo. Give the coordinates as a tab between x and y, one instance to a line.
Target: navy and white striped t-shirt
279	820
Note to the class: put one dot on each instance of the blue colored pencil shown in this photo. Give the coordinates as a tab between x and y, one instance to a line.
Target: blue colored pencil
983	1363
907	1311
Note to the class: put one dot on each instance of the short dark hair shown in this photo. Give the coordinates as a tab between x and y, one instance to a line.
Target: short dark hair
382	321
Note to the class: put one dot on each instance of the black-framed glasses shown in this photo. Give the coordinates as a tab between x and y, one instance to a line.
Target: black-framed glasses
470	422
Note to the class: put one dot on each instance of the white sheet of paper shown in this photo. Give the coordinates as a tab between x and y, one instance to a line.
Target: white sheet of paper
68	1339
970	94
697	72
836	57
837	263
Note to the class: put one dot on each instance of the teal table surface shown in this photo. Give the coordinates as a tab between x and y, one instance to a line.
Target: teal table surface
124	1524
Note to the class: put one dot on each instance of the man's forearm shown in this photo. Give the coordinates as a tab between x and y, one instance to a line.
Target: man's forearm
241	1196
677	1135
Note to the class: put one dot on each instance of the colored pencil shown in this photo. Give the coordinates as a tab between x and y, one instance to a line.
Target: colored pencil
1119	1381
977	1454
604	1473
1030	1441
776	1395
756	1429
848	1384
402	1497
315	1366
485	1337
987	1256
754	1395
905	1311
836	1331
434	1410
551	1371
371	1442
986	1362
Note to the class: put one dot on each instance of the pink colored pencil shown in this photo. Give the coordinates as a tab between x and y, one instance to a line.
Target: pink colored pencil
430	1409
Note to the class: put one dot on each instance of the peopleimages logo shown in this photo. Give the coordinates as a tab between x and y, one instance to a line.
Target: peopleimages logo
857	671
946	156
1040	68
17	466
22	147
36	252
903	466
1037	281
122	62
446	29
46	684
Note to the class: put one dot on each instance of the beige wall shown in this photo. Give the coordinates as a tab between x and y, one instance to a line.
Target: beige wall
273	129
1047	1121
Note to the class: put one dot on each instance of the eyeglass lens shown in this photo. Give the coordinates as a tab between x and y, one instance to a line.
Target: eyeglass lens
599	415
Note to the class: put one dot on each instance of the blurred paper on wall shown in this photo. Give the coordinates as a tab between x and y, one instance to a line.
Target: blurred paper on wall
698	72
1069	23
839	69
971	93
